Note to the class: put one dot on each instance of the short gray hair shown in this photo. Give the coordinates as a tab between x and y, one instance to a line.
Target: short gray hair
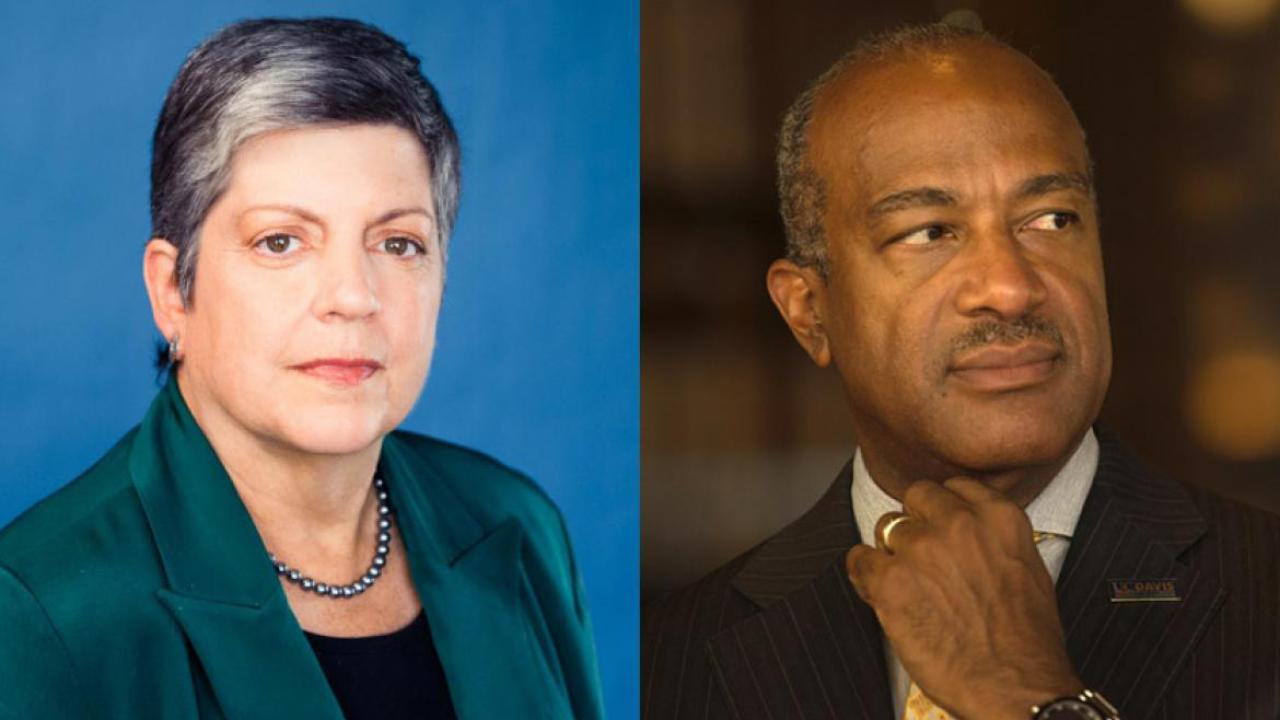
270	74
801	191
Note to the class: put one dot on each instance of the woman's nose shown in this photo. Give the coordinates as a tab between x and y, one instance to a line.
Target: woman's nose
347	286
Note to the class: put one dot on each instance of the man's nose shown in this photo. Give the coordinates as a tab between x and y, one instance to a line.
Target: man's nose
999	278
348	287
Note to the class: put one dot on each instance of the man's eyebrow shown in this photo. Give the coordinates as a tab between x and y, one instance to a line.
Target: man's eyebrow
913	198
1054	182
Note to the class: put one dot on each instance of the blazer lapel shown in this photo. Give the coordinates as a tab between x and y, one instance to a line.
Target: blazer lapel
1134	526
257	660
484	619
815	649
222	591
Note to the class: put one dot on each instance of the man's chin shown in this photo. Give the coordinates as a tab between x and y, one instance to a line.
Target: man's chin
1004	446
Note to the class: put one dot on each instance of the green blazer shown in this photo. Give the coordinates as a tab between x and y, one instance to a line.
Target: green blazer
142	589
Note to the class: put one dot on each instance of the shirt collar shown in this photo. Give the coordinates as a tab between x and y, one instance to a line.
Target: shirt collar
1055	510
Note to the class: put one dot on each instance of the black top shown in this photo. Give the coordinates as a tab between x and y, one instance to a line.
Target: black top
386	676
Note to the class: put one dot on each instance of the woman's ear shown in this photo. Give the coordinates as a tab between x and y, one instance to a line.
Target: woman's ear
160	273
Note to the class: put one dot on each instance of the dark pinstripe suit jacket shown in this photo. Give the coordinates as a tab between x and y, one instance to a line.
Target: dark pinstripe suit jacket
780	633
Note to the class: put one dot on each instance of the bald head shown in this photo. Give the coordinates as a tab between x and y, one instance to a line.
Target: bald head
846	111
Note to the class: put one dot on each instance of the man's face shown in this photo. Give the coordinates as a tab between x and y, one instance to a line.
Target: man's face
965	307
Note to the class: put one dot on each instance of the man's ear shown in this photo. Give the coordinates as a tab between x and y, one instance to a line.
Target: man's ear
800	294
160	273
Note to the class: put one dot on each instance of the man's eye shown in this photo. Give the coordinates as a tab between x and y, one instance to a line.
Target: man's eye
278	244
1052	221
924	236
402	246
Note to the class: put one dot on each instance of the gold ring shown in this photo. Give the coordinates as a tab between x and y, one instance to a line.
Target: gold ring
887	526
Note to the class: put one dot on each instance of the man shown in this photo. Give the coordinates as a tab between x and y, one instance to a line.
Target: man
943	255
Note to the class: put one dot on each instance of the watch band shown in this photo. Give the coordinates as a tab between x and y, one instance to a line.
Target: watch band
1088	705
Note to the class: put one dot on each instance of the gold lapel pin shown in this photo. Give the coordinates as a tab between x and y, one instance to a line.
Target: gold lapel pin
1128	590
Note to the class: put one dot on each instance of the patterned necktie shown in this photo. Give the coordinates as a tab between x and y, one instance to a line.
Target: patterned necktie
918	706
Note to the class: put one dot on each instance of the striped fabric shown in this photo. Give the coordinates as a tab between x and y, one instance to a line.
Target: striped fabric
779	632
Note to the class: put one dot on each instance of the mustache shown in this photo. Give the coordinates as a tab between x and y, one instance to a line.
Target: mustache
990	332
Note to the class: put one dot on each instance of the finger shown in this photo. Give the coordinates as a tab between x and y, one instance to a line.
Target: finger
973	491
930	501
865	567
994	508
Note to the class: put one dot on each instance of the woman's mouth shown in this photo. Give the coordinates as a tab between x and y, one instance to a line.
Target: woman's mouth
341	371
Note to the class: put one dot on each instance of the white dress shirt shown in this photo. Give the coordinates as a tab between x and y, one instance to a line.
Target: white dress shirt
1055	510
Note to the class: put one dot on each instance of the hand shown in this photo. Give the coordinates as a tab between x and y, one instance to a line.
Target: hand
966	602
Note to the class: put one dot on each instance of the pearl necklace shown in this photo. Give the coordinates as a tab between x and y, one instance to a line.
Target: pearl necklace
366	581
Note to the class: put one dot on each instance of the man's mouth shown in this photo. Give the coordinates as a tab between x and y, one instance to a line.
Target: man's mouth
1000	368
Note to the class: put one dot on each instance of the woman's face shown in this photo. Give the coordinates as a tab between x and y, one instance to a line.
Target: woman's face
317	287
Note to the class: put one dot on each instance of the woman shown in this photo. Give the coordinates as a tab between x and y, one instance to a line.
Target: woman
264	543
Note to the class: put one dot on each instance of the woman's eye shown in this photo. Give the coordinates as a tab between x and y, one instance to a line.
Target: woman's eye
402	246
1051	221
924	236
278	244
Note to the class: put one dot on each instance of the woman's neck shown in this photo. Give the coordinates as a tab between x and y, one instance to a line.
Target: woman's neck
315	511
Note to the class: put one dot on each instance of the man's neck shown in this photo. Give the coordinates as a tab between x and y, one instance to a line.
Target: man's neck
894	472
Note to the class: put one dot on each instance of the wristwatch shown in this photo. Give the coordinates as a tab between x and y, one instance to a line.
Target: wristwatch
1088	705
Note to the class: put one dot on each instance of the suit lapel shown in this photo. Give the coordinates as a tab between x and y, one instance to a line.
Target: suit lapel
476	594
1134	526
815	649
222	590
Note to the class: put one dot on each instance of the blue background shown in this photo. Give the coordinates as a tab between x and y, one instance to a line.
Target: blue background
537	359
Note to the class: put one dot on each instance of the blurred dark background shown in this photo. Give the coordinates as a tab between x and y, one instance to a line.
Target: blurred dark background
1181	103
